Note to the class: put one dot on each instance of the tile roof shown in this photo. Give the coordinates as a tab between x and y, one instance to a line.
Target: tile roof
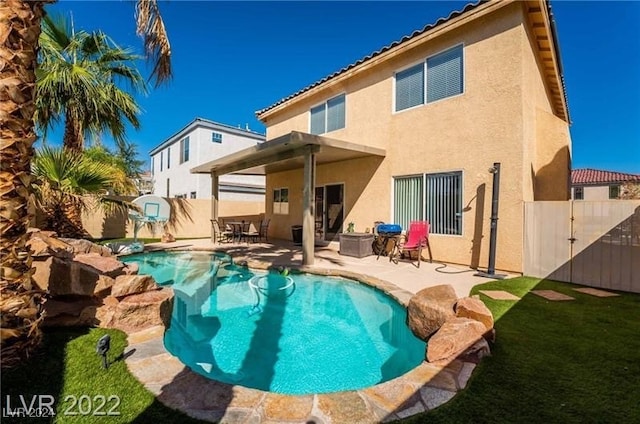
454	14
414	34
595	176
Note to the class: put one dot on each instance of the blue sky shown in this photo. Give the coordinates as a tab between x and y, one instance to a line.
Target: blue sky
233	58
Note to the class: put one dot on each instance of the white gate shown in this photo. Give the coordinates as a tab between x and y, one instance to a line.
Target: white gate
593	243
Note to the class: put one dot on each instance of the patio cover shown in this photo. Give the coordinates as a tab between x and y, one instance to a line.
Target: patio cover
291	151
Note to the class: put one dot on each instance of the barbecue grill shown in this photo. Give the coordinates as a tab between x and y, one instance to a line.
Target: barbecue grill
385	233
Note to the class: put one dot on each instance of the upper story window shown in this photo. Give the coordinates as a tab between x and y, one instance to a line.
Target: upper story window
328	116
184	150
216	137
161	159
168	157
578	193
439	77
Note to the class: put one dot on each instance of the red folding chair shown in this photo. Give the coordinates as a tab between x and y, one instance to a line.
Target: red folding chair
417	239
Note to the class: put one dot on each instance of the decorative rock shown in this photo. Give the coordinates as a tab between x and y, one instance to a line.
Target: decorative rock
103	285
65	278
76	312
104	265
81	246
131	284
429	309
42	272
142	310
468	307
476	352
454	337
42	245
167	238
131	269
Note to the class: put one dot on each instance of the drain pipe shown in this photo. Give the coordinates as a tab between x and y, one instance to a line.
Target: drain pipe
495	198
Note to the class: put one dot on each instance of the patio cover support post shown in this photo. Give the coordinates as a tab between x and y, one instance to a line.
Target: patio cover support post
308	205
214	201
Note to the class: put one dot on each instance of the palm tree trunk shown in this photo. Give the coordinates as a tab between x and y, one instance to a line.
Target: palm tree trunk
73	138
19	302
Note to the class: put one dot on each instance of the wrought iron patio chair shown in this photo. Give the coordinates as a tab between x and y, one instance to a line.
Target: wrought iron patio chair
264	229
220	235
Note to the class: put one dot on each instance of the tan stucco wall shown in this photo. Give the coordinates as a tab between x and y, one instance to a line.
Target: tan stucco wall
546	138
596	192
193	220
467	133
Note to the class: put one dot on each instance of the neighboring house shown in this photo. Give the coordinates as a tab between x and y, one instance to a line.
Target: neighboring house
410	131
594	184
198	142
144	183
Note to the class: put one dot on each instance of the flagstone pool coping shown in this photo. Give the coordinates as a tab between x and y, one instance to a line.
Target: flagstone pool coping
424	388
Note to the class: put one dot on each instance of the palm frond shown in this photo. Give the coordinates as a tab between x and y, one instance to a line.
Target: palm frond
156	41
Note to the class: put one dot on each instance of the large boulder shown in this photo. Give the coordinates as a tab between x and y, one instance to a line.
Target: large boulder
131	284
71	312
429	309
138	311
42	244
65	278
81	246
469	307
105	265
453	338
42	271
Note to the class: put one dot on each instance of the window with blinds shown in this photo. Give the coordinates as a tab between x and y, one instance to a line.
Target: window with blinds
410	87
436	198
329	116
443	203
407	200
439	77
444	74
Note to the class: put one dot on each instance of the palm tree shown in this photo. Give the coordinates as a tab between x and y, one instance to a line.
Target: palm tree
77	78
65	178
19	31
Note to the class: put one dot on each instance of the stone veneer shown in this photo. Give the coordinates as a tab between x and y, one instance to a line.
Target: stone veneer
424	388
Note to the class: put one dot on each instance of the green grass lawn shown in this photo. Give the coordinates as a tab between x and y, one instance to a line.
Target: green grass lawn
68	367
553	362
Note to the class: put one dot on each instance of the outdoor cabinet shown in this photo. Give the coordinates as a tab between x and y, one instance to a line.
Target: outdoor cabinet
356	244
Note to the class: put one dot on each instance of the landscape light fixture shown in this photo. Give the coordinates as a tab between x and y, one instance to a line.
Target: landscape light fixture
495	197
102	348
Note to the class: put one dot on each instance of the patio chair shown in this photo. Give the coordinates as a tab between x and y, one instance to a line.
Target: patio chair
220	235
417	239
264	229
249	231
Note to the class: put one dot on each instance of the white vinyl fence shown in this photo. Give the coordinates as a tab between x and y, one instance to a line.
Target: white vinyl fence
593	243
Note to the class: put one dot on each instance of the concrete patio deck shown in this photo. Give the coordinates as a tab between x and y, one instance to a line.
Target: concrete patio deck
404	274
421	389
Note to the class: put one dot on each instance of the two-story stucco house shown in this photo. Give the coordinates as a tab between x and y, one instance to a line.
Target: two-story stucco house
410	131
198	142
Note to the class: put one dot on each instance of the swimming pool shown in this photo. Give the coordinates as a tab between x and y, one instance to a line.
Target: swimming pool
294	334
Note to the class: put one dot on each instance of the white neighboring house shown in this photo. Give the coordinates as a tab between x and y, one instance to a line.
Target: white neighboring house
202	141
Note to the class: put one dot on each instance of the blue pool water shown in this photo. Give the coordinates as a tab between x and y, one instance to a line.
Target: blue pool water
296	334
